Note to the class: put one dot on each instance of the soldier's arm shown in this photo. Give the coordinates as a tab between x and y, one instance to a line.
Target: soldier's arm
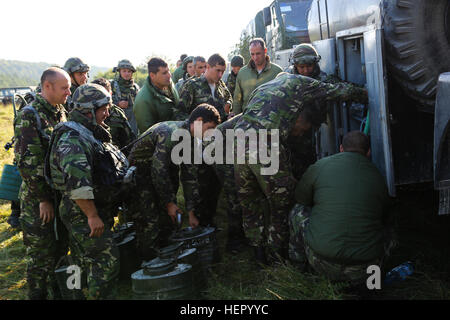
304	193
183	109
143	111
238	97
160	171
189	180
30	156
115	97
316	90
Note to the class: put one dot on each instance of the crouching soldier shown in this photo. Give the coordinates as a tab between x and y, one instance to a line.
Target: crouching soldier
154	204
88	170
340	224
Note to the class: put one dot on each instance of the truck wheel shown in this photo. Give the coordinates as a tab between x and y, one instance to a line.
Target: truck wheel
417	34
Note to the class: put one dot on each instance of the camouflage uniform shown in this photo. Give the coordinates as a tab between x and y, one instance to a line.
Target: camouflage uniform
197	91
301	254
125	90
266	200
74	65
225	174
30	151
157	182
231	82
120	128
84	165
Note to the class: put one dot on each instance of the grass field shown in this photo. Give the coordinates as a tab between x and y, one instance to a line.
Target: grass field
424	240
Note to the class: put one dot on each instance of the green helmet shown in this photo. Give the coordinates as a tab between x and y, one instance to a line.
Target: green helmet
187	61
237	61
75	65
90	97
305	54
125	64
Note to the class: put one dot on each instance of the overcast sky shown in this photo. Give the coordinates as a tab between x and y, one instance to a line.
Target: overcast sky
102	32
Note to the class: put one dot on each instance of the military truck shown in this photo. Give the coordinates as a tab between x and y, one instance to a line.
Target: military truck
7	94
283	25
399	50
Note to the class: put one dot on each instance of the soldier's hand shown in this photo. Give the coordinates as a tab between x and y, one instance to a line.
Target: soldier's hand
193	221
47	212
172	210
123	104
227	108
97	227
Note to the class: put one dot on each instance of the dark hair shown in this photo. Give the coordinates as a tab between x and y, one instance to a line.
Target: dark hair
199	59
258	42
104	83
154	64
50	75
314	117
205	111
183	56
216	59
356	141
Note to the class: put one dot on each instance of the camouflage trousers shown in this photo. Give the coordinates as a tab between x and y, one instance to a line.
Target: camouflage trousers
300	253
225	174
266	201
42	250
209	189
153	224
99	256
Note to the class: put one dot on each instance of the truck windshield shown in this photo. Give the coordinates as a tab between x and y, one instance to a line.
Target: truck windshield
296	14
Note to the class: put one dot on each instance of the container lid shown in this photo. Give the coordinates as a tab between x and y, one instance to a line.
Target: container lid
189	233
159	266
171	250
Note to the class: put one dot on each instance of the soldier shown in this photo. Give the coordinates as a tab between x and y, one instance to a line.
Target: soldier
258	71
118	124
278	105
157	99
189	72
154	202
210	89
199	66
338	228
79	75
125	91
236	64
305	62
33	126
89	170
225	174
179	72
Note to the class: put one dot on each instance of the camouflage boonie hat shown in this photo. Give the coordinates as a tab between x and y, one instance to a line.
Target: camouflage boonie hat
187	61
305	54
75	65
90	97
126	64
237	61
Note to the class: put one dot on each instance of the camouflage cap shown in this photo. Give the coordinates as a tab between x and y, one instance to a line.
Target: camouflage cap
90	97
237	61
187	61
75	65
305	54
126	64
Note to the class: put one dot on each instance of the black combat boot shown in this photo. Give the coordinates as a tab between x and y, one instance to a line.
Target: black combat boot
13	219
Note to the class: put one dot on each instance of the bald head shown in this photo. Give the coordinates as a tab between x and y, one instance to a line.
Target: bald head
53	74
55	84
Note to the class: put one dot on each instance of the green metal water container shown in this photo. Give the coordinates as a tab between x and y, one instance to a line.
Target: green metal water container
163	280
10	183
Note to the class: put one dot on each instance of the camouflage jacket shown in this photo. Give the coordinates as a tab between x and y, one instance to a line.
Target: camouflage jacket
123	90
80	162
231	82
120	129
197	91
278	103
31	147
152	157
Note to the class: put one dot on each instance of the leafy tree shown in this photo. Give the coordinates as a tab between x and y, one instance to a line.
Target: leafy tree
242	47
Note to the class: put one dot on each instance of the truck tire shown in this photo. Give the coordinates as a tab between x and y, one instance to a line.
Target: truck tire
417	34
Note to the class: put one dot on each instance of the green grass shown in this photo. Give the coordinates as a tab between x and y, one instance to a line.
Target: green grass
424	240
